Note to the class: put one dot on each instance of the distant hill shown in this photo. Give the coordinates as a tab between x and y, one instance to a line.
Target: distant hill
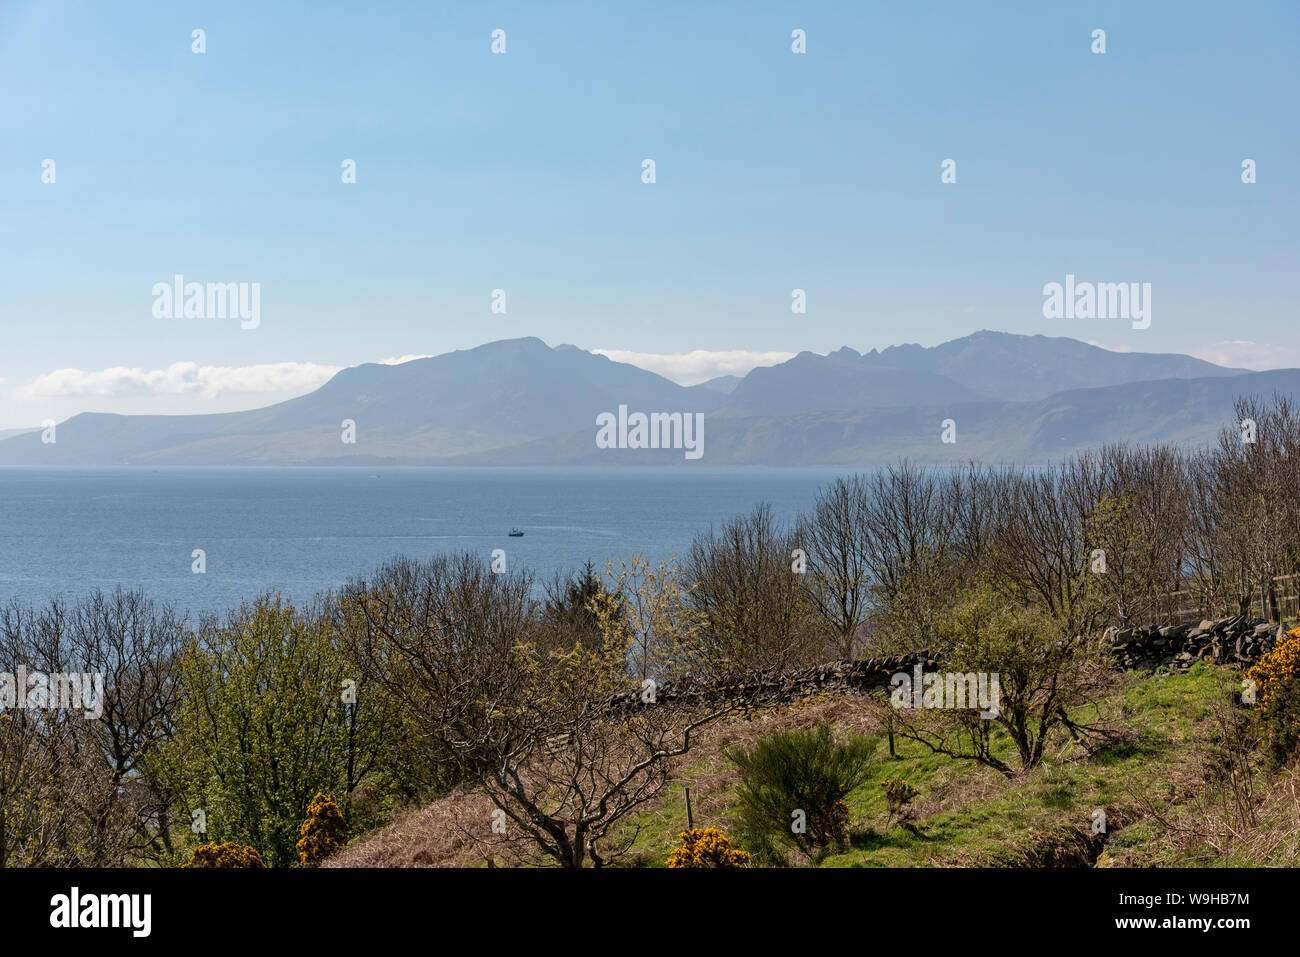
496	395
985	365
722	383
839	381
1181	411
521	402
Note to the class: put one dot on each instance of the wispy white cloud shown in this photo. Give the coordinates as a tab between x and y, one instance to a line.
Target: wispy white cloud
690	368
282	379
1244	354
179	378
1235	354
185	379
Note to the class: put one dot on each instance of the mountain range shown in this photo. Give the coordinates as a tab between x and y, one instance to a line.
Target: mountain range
521	402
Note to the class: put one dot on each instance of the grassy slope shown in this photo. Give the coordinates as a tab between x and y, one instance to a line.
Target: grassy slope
965	815
971	815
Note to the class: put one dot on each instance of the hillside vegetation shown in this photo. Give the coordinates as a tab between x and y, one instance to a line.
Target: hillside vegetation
1151	785
1086	664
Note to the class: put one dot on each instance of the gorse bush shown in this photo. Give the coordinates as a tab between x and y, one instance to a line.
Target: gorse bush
898	795
324	832
706	847
1277	697
793	789
225	855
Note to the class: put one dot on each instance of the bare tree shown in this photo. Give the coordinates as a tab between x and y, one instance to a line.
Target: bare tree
839	574
559	734
756	611
1042	556
56	789
908	534
136	646
1137	504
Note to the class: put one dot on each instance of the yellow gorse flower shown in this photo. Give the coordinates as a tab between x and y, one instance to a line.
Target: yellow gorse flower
706	847
1276	676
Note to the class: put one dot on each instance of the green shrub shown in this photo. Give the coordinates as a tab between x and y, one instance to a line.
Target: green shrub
265	724
793	790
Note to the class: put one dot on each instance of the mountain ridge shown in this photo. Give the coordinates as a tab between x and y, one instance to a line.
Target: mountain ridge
520	401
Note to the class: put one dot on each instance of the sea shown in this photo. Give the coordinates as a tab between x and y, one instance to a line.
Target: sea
304	531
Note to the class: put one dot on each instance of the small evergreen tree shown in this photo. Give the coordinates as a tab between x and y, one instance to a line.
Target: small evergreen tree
571	606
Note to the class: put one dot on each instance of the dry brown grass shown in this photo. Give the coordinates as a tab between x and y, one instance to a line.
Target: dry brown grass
447	832
1209	831
1275	842
455	830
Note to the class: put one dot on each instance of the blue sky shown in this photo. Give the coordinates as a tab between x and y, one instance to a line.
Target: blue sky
522	172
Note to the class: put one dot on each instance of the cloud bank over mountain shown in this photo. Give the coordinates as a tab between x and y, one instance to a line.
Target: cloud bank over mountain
699	365
522	402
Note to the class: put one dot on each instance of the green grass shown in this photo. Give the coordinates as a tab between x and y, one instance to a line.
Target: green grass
972	815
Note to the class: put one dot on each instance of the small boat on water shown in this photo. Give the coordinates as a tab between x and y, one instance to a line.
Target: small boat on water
516	533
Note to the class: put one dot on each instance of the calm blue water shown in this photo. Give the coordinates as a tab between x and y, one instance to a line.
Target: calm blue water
302	531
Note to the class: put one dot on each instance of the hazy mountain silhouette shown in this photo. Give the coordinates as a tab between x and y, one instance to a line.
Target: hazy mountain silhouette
519	401
1185	412
722	383
497	394
986	365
